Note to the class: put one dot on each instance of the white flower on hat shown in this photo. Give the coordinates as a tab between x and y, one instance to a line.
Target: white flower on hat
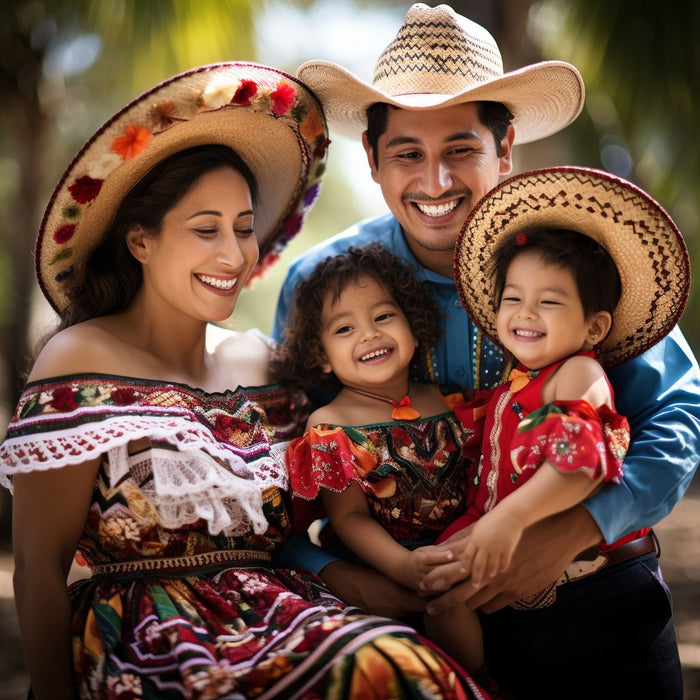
219	92
104	166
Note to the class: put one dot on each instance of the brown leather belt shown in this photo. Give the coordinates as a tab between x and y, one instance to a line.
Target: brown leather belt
587	563
592	560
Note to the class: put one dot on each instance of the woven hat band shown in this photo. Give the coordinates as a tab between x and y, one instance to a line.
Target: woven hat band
437	52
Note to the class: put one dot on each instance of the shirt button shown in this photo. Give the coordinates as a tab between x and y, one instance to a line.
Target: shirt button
457	303
460	371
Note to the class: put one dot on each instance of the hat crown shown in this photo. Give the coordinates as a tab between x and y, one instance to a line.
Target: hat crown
437	51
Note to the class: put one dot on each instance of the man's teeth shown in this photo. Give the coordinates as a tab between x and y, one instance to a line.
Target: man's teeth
371	355
217	282
437	209
528	334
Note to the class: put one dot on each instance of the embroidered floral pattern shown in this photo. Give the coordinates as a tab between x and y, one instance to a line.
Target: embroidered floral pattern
180	608
414	475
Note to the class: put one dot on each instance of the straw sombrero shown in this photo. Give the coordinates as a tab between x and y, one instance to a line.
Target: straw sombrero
439	58
268	117
642	239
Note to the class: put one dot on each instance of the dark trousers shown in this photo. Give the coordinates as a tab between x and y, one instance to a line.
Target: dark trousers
609	635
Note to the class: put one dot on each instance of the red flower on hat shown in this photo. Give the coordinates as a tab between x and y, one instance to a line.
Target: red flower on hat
246	90
85	189
282	98
521	238
135	139
64	233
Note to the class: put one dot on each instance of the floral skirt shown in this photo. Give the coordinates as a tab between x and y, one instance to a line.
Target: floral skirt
246	633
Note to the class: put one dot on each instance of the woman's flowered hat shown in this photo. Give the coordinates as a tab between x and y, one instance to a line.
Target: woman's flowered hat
273	121
641	238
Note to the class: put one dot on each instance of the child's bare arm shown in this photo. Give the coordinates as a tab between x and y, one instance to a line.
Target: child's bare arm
349	514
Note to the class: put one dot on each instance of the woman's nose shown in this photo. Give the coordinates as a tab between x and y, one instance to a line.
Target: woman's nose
230	252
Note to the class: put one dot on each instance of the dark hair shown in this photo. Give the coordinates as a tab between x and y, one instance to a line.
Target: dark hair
298	361
112	276
595	273
495	116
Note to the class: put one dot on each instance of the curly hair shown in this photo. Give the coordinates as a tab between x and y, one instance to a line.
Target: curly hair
299	358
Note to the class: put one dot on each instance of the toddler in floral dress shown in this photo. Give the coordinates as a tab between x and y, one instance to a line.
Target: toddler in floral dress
385	459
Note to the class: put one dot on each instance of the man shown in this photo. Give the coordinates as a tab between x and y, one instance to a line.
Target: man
438	125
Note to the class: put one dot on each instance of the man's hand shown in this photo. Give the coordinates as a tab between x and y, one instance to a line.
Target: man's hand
370	590
544	551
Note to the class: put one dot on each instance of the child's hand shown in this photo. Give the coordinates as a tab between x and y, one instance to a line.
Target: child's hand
418	562
490	546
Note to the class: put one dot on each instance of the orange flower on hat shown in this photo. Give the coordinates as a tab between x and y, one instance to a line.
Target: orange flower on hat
282	98
312	126
135	140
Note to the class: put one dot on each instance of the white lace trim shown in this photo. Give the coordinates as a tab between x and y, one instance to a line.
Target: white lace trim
188	482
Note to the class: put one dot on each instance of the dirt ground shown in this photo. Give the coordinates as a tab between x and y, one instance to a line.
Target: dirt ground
680	558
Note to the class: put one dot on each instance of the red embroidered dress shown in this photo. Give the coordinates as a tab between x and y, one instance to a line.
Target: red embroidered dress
412	472
516	433
182	601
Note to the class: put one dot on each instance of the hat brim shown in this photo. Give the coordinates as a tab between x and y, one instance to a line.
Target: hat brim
642	239
544	97
272	145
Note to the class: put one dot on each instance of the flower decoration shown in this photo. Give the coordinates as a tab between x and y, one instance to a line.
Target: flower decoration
521	238
135	139
219	92
245	92
64	233
282	98
85	189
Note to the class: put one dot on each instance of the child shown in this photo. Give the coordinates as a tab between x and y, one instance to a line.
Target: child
558	267
386	455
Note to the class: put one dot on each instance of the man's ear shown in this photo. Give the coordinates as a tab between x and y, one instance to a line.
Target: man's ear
599	325
137	243
371	157
505	158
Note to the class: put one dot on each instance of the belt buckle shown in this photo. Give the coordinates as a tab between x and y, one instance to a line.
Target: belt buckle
581	568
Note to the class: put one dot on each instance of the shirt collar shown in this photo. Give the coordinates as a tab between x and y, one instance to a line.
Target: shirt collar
402	250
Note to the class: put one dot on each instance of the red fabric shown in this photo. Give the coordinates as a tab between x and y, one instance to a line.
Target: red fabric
518	434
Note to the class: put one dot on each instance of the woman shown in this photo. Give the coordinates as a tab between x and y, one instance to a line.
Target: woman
160	461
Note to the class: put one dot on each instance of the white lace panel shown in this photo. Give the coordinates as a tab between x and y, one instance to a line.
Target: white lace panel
200	477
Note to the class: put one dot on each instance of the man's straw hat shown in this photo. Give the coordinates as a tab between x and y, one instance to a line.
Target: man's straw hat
439	59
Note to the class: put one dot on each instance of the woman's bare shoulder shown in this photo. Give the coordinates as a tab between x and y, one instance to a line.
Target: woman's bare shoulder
83	348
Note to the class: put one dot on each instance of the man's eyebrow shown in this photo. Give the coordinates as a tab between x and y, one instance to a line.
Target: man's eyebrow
459	136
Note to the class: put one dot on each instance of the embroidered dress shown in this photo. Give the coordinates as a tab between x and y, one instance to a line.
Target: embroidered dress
412	472
516	433
188	504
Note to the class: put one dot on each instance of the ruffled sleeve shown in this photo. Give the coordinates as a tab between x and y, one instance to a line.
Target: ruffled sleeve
328	458
573	436
195	466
